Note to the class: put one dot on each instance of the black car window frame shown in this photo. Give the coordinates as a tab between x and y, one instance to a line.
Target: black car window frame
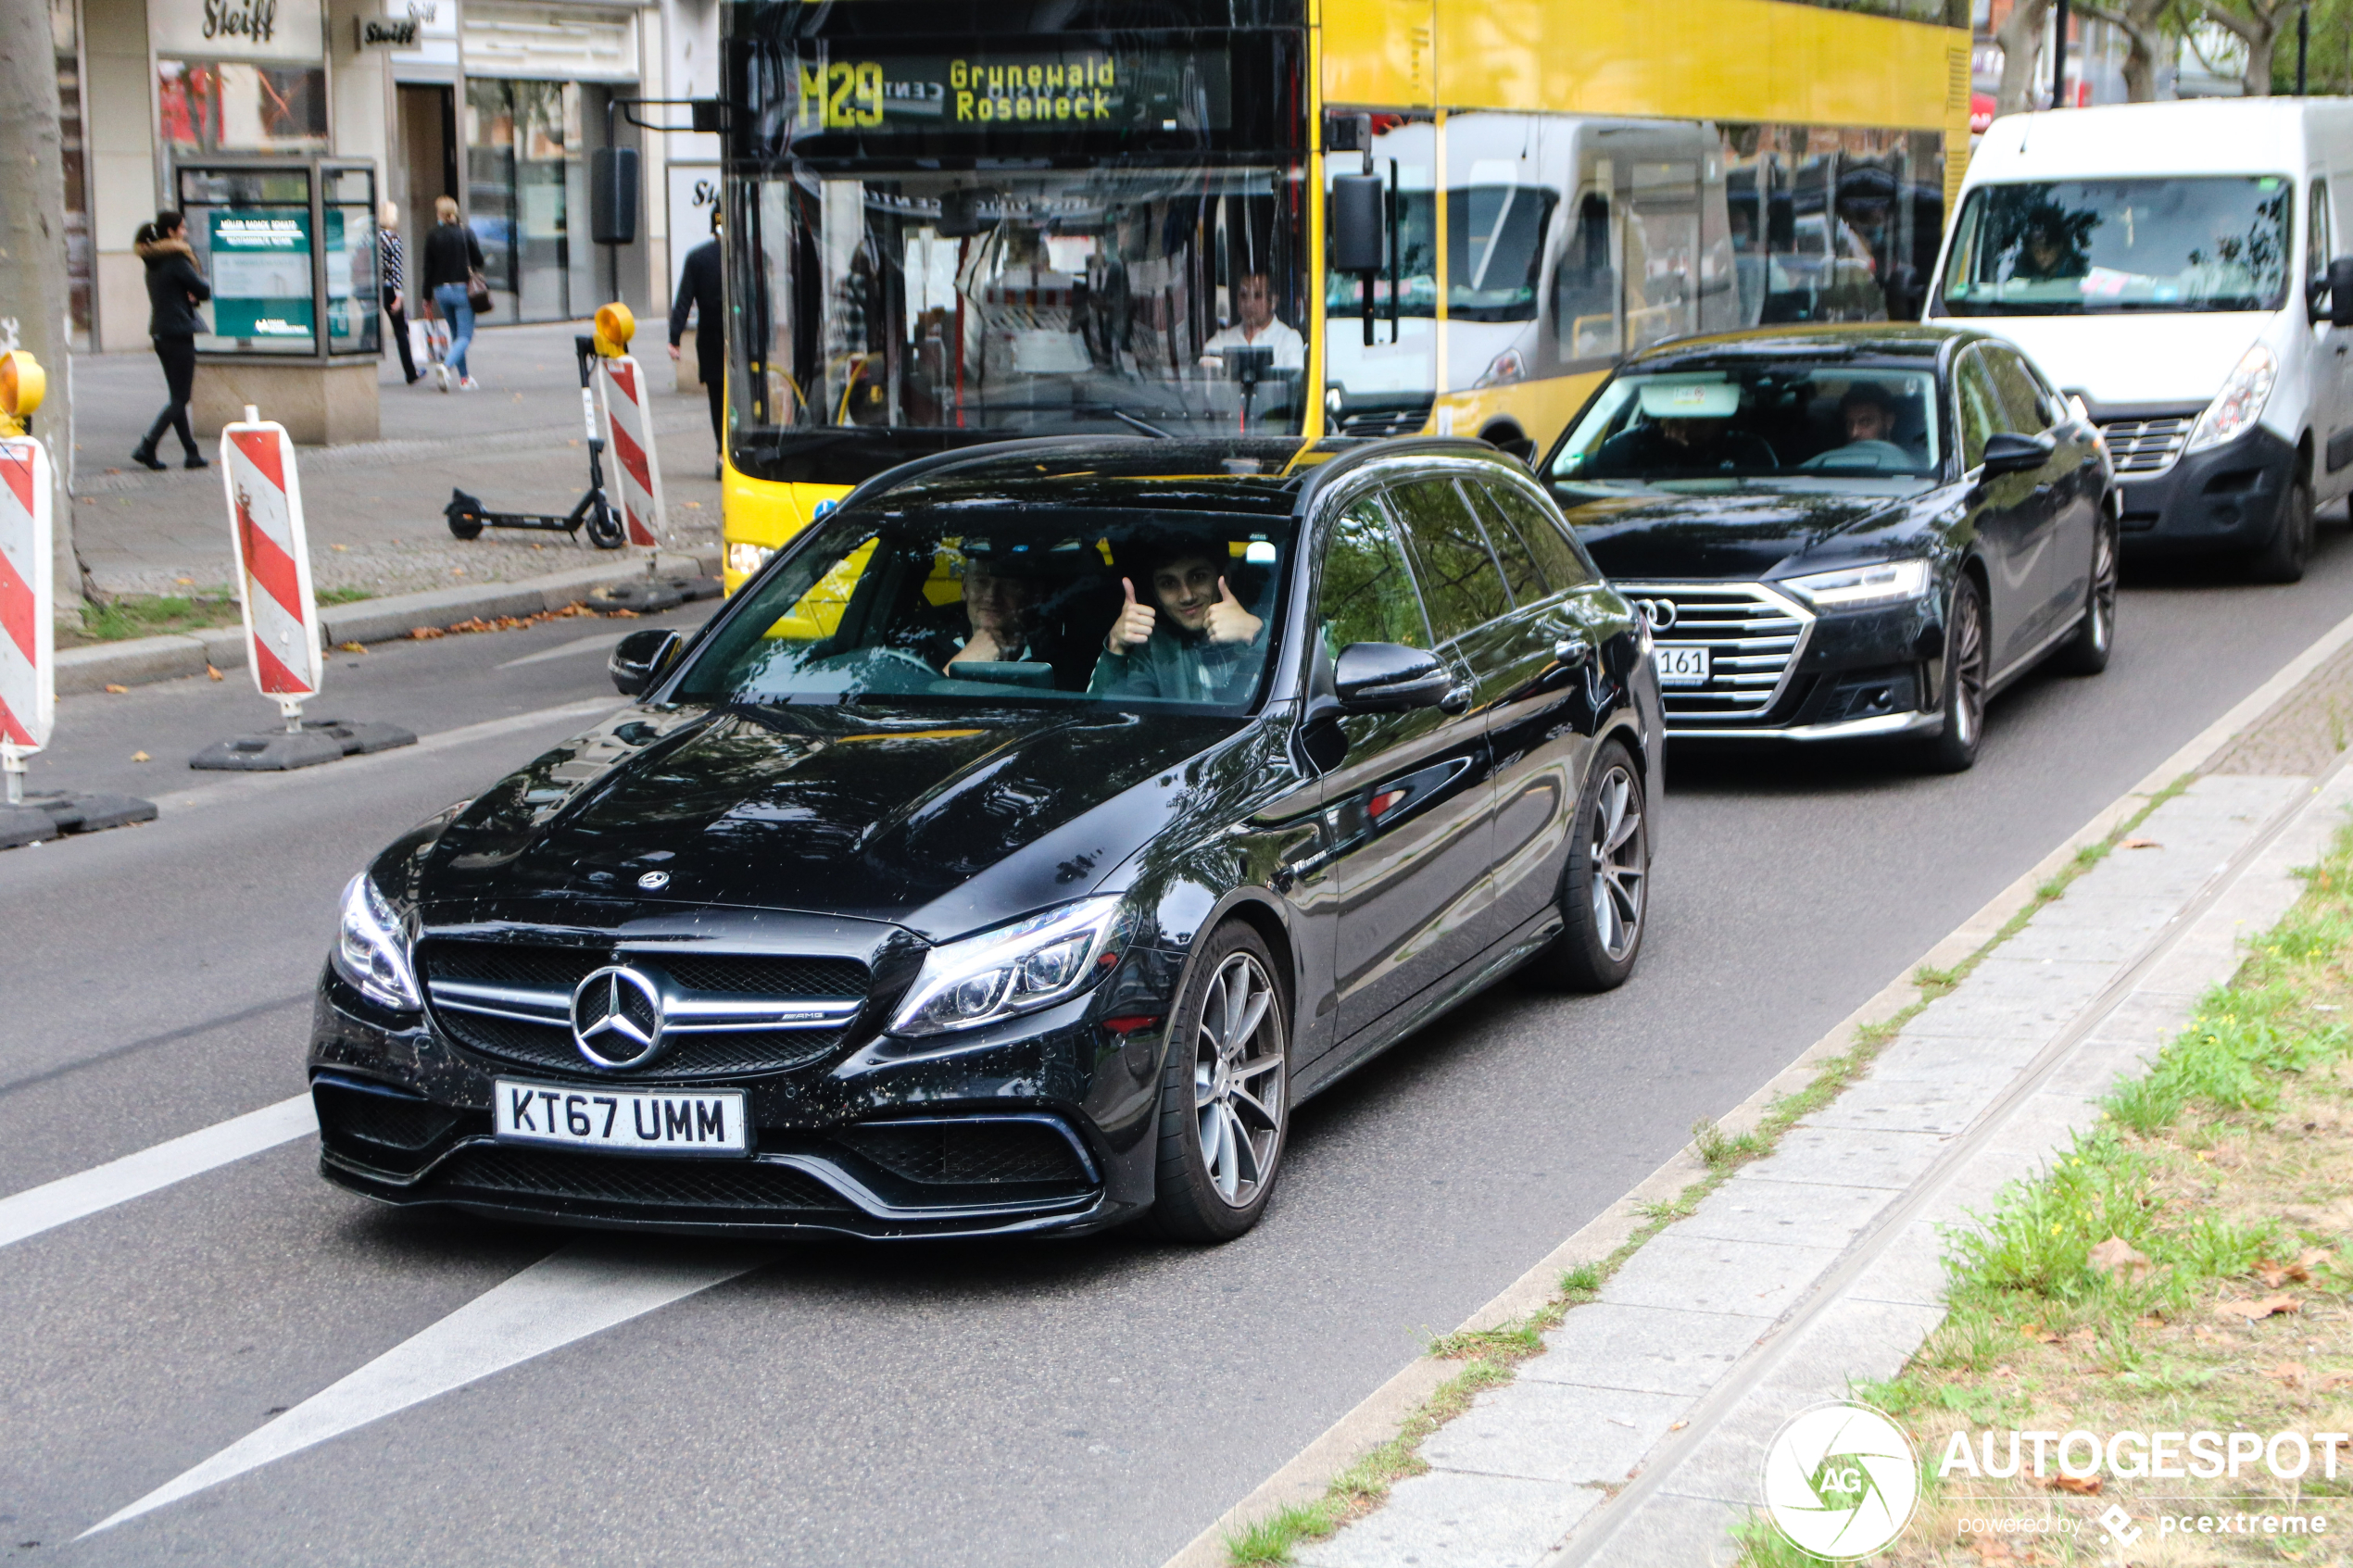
1367	507
1559	557
1450	618
1976	400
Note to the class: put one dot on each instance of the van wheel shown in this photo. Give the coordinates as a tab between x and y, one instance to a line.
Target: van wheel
2086	653
2284	560
1605	890
1224	1097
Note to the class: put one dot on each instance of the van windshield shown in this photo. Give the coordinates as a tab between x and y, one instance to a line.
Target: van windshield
2075	247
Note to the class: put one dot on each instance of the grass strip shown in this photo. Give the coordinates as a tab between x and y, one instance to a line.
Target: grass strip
1491	1356
2183	1266
126	616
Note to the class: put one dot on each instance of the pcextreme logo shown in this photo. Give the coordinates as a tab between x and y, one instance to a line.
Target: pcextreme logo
1840	1481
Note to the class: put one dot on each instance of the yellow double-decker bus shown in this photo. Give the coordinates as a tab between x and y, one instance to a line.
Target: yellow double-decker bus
954	221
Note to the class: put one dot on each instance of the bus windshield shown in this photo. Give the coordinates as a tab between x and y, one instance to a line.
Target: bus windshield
2075	247
1136	300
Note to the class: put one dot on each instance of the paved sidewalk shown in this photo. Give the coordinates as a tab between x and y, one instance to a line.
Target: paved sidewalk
1638	1438
373	509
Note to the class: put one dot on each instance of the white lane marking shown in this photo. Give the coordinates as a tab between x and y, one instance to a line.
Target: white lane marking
561	650
579	1290
134	1176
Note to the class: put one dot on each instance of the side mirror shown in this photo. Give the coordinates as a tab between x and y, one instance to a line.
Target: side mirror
641	659
2341	291
1355	215
1389	678
612	196
2007	452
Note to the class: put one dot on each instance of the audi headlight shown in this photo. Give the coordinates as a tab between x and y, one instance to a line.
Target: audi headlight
1862	587
1015	969
745	560
2240	403
372	952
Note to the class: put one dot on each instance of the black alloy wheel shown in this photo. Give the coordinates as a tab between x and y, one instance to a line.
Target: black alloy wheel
2086	653
1605	891
2284	560
1954	748
1225	1102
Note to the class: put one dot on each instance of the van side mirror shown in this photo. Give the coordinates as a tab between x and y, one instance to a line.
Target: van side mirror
1389	678
2341	291
2007	452
612	196
1355	218
641	659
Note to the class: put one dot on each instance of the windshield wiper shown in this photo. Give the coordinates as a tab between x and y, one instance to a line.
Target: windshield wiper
1132	423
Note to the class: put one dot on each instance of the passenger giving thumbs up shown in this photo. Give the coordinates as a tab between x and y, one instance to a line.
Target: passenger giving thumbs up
1134	627
1227	620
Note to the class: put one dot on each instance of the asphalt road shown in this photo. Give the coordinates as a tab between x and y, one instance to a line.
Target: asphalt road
1083	1403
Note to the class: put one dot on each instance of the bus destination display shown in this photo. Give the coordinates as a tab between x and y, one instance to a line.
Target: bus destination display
1030	89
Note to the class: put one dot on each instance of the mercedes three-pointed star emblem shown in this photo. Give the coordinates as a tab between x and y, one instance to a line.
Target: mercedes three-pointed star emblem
617	1018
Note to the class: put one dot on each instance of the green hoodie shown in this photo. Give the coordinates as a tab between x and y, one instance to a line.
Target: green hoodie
1181	667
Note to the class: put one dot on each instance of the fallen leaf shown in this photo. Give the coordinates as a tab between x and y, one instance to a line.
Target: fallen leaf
184	582
2082	1485
425	633
2254	1311
2143	843
2288	1374
140	757
353	647
117	690
2036	1331
2082	1338
1679	1426
2148	1323
2314	1258
338	547
2118	1259
213	672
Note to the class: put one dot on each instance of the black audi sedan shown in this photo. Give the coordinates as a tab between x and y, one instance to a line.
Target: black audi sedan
1012	854
1847	532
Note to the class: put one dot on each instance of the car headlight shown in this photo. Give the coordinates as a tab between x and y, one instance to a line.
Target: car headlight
1862	587
1015	969
2240	403
745	560
371	950
1509	366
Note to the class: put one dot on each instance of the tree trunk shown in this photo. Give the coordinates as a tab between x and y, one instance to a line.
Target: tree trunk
2259	65
2259	32
32	249
2020	36
2136	19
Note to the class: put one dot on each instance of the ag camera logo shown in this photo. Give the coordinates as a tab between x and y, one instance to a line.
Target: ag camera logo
1840	1481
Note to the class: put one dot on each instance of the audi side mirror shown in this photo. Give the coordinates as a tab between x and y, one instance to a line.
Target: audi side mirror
1389	678
2341	291
641	659
2007	452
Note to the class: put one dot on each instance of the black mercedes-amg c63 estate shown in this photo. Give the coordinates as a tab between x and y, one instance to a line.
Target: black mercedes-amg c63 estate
1012	854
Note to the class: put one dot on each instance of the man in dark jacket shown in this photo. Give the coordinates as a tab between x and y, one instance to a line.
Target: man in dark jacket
699	291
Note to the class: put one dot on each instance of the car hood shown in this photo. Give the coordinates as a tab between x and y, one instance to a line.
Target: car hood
939	824
1739	532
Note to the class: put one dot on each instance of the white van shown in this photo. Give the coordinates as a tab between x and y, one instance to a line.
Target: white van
2169	263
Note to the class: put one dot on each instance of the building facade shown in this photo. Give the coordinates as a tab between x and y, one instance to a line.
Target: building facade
496	103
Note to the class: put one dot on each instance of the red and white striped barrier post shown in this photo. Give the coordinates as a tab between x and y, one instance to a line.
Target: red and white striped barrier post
629	431
273	562
28	670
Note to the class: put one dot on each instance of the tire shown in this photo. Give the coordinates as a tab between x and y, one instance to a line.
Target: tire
604	528
2284	560
1954	748
464	514
2086	653
1225	1099
1605	889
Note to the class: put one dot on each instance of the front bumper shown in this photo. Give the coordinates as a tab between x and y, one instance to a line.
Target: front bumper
1043	1124
2225	497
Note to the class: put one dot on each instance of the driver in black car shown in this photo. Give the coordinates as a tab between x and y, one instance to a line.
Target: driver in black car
1682	446
999	598
1869	415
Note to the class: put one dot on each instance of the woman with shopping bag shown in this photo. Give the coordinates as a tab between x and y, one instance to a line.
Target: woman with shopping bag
453	281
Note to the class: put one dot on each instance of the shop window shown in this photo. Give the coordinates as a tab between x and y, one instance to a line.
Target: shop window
234	105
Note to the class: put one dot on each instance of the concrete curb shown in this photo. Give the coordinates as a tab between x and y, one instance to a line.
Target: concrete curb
146	659
1373	1422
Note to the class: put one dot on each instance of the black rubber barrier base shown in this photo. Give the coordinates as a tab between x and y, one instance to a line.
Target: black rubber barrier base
652	596
44	817
319	740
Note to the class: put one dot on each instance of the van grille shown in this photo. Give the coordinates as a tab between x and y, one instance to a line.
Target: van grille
1752	633
2147	447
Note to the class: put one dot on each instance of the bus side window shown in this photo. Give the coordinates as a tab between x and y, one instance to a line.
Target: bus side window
1585	286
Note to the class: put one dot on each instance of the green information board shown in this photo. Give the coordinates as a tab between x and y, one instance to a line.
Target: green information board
261	261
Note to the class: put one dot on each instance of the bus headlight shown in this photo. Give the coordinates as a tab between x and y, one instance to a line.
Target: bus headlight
745	560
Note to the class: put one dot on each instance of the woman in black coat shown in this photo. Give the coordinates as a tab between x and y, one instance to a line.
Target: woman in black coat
174	290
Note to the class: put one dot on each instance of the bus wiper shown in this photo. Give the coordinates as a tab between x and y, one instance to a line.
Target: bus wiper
1132	423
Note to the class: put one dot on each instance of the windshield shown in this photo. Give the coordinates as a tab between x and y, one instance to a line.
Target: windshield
2076	247
991	603
1788	418
1020	300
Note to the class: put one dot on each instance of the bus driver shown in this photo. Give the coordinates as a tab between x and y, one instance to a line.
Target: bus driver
1255	327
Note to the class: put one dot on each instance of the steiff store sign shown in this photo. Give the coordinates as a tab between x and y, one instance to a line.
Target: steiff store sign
237	29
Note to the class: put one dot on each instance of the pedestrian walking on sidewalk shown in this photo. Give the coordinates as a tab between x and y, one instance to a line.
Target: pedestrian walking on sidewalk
394	273
699	290
174	290
453	261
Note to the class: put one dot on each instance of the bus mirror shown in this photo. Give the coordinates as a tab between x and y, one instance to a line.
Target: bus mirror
1356	223
2341	291
612	196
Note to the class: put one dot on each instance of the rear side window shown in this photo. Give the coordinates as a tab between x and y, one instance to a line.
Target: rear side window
1459	579
2022	409
1368	594
1979	404
1515	521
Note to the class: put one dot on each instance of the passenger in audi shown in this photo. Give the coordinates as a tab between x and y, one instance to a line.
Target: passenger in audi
1662	449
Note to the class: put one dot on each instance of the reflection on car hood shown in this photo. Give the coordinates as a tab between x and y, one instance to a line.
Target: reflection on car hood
1735	532
940	823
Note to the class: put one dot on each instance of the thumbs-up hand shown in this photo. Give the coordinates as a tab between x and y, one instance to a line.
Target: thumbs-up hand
1228	621
1134	627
